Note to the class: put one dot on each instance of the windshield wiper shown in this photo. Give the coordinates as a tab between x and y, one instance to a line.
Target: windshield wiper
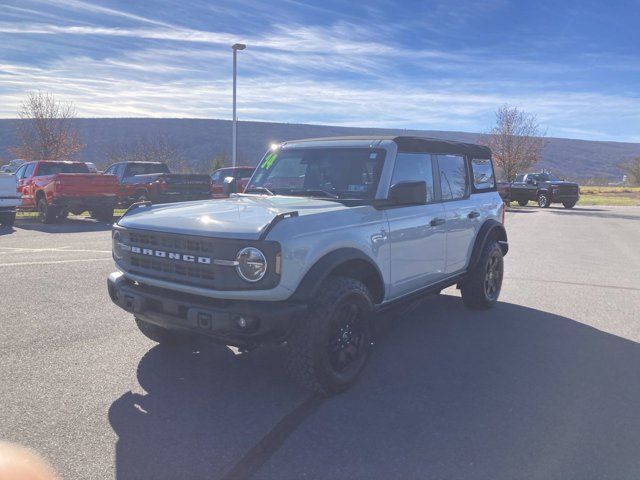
313	192
259	190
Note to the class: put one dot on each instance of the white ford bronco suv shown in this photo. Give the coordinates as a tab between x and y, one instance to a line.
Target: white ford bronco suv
327	233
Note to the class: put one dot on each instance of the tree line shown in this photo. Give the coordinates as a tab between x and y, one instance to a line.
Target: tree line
46	131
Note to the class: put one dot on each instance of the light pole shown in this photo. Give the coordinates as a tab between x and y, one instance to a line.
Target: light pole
234	127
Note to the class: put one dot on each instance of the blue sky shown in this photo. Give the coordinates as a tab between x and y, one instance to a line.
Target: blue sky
428	64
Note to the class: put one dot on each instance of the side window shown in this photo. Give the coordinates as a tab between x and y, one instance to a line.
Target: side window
414	167
482	174
215	177
453	177
29	170
520	177
111	170
20	172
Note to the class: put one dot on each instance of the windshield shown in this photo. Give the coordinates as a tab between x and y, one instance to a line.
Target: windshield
320	172
54	168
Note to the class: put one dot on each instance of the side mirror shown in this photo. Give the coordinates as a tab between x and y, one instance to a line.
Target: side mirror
408	193
229	186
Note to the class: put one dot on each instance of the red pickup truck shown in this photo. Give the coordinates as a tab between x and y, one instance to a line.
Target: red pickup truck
153	181
55	188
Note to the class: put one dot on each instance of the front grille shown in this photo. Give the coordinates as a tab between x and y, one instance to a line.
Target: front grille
567	190
193	273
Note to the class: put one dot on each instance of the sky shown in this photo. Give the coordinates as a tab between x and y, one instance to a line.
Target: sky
432	64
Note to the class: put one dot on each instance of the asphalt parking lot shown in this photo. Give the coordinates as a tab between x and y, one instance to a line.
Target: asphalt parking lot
544	386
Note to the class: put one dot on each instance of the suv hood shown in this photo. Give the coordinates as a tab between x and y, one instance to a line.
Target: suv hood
240	216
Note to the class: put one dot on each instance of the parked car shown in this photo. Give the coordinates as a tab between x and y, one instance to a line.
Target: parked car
241	176
12	166
53	189
327	233
543	188
9	199
154	182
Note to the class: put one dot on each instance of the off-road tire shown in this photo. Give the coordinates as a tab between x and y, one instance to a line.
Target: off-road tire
543	200
7	219
523	203
569	204
309	362
104	214
46	213
475	294
161	335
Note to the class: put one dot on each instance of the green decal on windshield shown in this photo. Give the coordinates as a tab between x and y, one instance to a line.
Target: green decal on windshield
268	161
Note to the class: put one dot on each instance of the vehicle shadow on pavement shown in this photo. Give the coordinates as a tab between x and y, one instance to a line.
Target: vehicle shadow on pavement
6	230
204	408
448	393
69	225
597	213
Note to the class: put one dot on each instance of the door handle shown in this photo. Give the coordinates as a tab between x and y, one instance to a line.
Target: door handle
473	215
437	221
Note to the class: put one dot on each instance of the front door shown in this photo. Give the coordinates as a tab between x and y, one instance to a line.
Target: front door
417	232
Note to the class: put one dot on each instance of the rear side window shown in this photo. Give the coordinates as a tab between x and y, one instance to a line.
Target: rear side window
414	167
482	174
146	168
55	168
453	177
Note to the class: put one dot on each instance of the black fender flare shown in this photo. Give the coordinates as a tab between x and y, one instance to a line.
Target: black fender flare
308	288
490	229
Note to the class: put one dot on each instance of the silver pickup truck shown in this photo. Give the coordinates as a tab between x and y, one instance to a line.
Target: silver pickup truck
9	199
327	233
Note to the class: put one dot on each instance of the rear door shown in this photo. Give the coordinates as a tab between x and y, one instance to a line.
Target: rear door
518	190
417	232
460	210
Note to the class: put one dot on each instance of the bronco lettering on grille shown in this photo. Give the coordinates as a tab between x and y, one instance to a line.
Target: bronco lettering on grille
171	255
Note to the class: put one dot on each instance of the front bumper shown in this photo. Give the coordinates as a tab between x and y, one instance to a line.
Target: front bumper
219	320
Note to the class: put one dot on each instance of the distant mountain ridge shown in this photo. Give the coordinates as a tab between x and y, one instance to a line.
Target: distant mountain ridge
199	140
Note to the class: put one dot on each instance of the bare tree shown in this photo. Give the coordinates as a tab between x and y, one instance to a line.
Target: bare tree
45	130
632	169
149	149
516	141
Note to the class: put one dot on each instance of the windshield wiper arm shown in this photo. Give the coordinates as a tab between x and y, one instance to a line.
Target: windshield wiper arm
259	190
314	191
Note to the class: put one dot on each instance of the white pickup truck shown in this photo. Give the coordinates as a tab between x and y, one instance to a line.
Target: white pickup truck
9	199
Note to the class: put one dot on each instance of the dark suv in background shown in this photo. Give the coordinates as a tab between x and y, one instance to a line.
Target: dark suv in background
543	188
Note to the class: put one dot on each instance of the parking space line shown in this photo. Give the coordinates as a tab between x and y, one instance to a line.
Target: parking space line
38	250
260	454
52	262
577	284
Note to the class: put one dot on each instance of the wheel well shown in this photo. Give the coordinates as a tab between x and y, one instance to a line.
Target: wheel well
39	195
364	272
499	235
347	262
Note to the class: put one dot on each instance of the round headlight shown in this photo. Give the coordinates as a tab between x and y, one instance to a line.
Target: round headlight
252	264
